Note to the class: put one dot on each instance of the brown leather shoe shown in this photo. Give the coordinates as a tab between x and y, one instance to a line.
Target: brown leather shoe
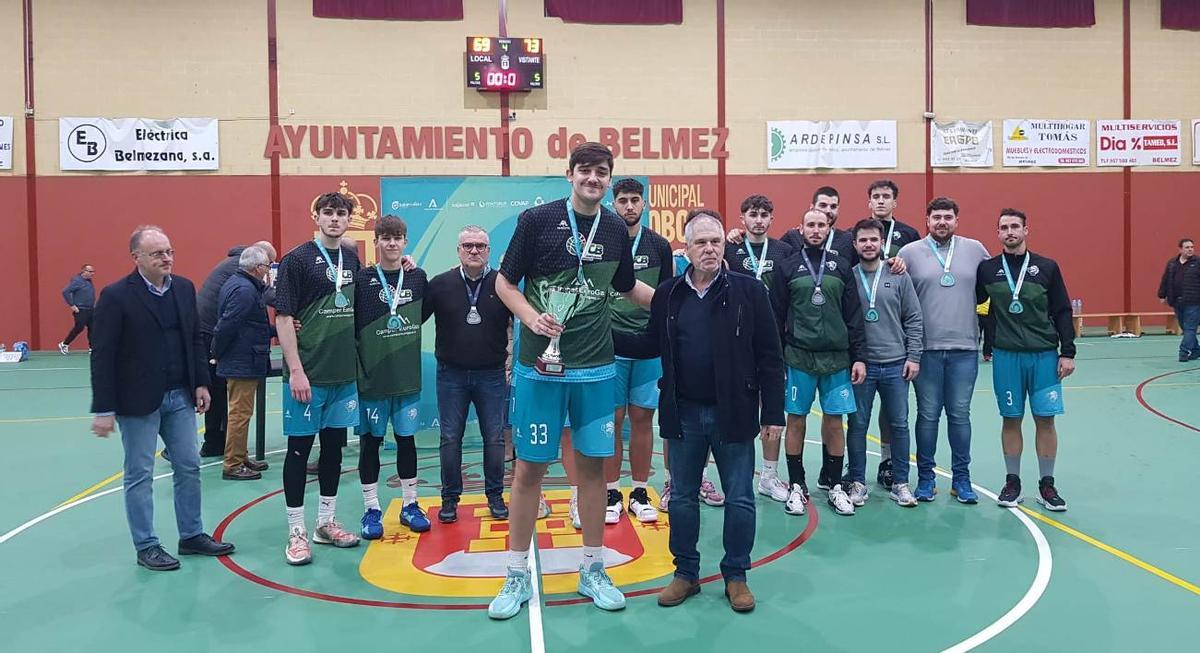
242	473
739	595
257	465
677	592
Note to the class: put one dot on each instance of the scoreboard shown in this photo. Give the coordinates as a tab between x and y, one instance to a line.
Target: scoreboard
505	64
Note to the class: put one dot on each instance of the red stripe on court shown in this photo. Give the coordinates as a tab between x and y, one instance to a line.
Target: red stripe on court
1145	404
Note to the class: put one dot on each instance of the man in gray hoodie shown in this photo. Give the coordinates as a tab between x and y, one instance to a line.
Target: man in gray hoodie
895	340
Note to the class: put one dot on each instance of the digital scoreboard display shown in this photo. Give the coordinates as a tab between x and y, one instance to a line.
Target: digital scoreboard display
505	64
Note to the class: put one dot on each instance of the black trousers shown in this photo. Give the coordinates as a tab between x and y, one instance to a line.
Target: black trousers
987	326
218	412
83	320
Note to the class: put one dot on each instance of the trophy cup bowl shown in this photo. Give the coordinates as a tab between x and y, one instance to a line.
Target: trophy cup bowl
561	303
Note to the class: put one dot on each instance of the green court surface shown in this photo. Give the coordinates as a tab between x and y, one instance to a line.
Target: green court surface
1118	572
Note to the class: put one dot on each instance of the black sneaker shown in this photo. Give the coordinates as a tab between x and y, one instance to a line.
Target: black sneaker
204	545
1048	495
1010	496
497	507
885	473
207	451
449	511
823	482
155	559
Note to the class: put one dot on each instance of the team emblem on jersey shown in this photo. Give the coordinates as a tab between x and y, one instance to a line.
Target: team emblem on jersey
641	262
468	559
1033	270
347	276
748	265
831	265
594	253
406	295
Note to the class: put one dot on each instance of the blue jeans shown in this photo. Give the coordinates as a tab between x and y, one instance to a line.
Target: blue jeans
1189	318
946	381
175	421
888	380
735	464
457	389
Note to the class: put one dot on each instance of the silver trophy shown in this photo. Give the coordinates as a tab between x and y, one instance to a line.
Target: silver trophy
562	303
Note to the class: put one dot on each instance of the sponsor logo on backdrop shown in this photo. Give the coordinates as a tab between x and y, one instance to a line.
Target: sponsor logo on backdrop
1138	143
1047	143
848	144
99	144
961	144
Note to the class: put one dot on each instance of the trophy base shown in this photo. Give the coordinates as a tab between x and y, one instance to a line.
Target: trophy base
549	368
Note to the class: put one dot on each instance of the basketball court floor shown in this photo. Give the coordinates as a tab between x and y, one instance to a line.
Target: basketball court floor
1118	572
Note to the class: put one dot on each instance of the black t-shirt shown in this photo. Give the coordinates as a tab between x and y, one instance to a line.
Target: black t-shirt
482	346
543	253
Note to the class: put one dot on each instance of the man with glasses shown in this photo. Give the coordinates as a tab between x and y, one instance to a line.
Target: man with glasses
150	377
80	295
471	345
320	395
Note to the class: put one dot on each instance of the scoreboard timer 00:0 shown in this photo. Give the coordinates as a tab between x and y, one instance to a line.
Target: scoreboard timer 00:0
505	64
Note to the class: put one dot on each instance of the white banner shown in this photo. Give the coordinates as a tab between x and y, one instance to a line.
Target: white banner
803	144
1138	143
1196	141
1048	143
961	144
138	144
6	127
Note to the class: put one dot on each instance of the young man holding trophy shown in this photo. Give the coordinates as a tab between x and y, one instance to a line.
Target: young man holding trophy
570	253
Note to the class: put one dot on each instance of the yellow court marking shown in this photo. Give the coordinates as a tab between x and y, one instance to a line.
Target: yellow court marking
1107	548
92	489
1145	566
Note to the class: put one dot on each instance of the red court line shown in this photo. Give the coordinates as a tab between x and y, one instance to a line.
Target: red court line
1145	404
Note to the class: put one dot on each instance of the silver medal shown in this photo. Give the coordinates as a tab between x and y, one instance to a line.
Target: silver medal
818	297
473	316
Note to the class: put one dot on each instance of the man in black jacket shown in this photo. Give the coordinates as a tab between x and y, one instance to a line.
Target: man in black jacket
207	309
722	385
1180	288
150	376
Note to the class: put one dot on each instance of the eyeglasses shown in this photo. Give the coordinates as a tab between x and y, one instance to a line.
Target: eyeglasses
160	254
329	213
473	247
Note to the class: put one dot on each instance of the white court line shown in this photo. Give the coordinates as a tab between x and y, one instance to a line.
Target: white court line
537	639
1041	578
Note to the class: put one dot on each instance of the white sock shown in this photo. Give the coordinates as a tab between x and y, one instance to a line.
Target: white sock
575	493
518	560
370	496
326	510
770	468
295	518
591	554
639	485
615	485
885	449
409	486
704	473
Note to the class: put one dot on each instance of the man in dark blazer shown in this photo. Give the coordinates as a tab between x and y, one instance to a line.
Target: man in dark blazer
722	385
150	377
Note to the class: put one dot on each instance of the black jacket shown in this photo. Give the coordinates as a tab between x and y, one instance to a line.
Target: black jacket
210	291
241	340
747	358
1189	293
128	357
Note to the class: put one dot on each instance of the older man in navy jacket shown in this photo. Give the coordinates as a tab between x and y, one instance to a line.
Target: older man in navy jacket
150	376
241	345
722	385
